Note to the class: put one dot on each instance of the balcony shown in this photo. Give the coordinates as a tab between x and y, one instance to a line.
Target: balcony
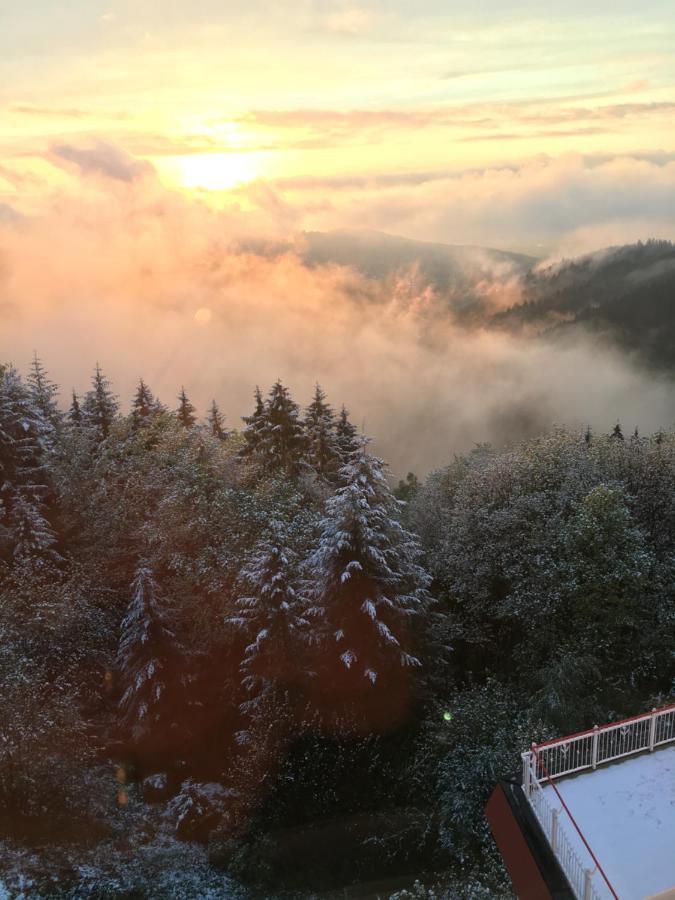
604	800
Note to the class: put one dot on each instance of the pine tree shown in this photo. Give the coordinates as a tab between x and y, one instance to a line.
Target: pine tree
271	613
143	406
283	440
75	416
43	393
24	486
22	437
323	453
347	436
216	422
254	424
617	433
407	488
100	406
274	433
365	578
144	650
33	538
185	411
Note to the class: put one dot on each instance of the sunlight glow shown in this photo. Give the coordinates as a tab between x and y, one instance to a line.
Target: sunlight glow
203	316
216	171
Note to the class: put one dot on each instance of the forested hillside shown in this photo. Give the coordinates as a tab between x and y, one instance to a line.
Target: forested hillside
623	295
234	662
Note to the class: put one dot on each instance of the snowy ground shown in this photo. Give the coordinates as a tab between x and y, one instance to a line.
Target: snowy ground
627	813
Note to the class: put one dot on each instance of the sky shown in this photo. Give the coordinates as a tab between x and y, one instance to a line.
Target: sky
141	142
351	113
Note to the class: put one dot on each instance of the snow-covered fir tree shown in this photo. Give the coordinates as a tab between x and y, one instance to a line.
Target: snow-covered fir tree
43	393
146	644
323	452
365	579
270	612
216	422
186	411
100	406
346	435
274	434
33	538
283	440
24	478
22	436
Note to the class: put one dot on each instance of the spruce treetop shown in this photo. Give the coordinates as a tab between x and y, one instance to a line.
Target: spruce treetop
100	405
216	421
186	411
323	453
274	434
144	405
75	411
348	440
43	393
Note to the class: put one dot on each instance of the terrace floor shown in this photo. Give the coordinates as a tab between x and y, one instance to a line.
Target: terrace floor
626	811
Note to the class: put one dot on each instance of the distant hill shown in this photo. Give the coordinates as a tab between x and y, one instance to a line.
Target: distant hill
623	295
461	276
458	274
377	255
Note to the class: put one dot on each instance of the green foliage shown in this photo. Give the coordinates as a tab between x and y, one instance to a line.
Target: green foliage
555	562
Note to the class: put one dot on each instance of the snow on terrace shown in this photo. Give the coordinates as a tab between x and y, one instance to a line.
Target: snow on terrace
605	801
626	811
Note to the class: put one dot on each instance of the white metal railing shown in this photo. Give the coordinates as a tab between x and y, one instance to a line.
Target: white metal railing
589	749
586	750
580	876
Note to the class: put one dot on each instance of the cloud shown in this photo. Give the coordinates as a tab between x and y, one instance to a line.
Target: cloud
101	158
316	127
350	182
8	214
533	205
26	109
351	20
525	135
126	277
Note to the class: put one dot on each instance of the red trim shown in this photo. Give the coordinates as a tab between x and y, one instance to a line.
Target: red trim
529	881
573	820
589	731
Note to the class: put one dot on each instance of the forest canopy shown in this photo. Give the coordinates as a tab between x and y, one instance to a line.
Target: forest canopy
240	660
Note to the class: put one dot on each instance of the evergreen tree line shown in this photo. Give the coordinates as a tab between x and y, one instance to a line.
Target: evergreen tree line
214	635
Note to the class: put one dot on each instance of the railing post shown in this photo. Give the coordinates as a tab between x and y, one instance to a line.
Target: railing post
554	829
652	729
588	875
526	773
594	752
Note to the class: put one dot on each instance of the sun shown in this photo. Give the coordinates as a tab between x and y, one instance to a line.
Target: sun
216	171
